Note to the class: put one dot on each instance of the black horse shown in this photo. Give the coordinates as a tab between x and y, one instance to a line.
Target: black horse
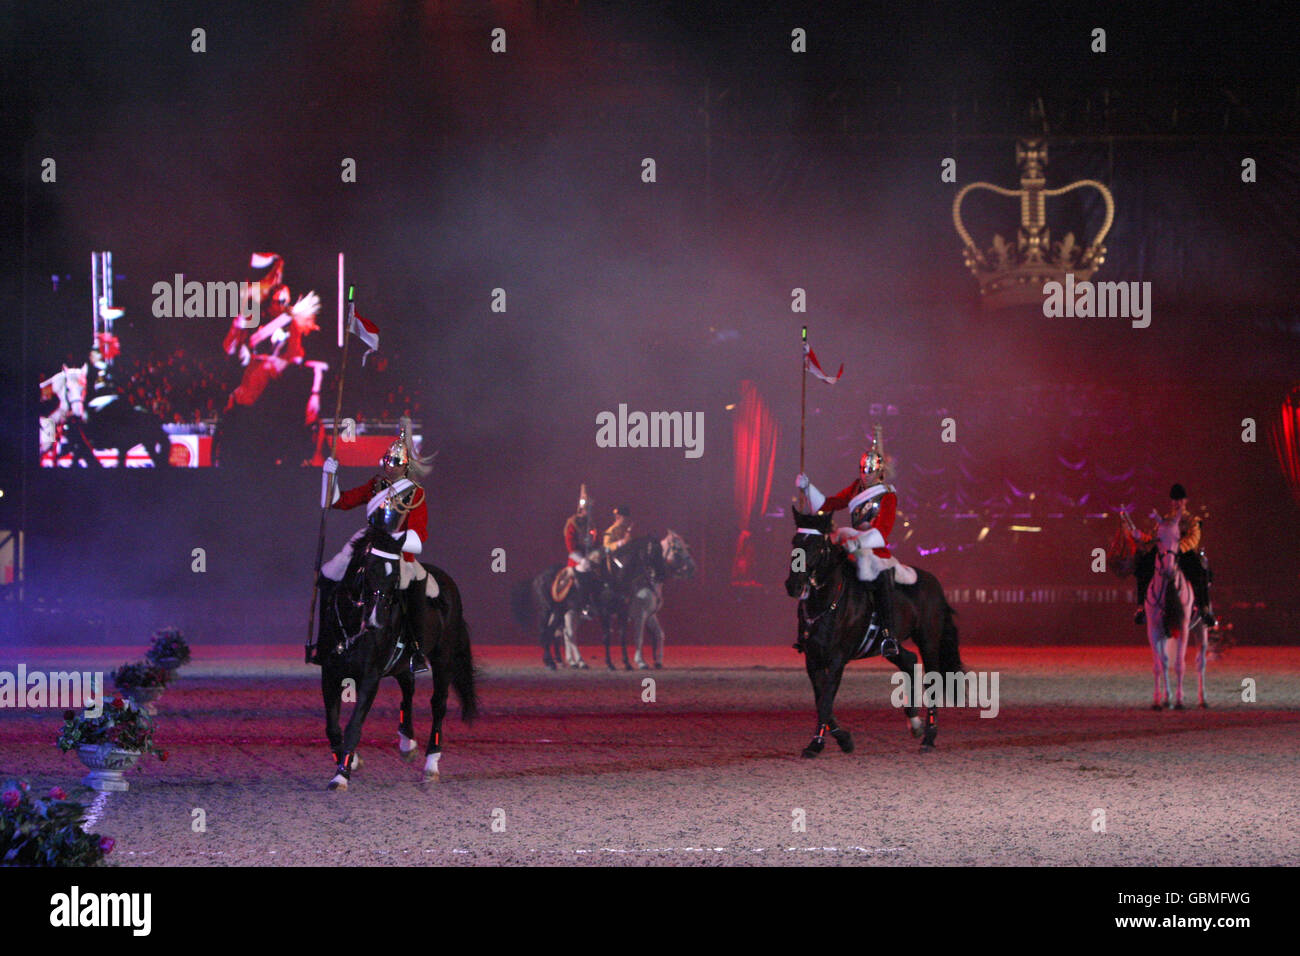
534	605
118	424
366	633
835	611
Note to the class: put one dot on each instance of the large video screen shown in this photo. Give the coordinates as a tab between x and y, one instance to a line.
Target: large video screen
253	384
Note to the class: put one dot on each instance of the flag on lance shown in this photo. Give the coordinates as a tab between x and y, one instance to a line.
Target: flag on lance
811	364
366	331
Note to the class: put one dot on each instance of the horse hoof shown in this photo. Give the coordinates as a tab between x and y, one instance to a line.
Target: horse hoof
408	756
431	778
844	739
1179	706
338	782
356	762
582	665
550	664
612	667
643	666
917	727
926	747
815	747
1204	705
627	667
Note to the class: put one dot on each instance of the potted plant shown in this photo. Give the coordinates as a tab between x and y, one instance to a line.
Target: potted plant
141	682
47	831
109	744
169	649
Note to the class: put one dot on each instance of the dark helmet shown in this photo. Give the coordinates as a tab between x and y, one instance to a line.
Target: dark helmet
1177	493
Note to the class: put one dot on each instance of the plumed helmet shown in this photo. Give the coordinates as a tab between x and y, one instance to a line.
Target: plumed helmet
583	498
873	459
1177	493
399	452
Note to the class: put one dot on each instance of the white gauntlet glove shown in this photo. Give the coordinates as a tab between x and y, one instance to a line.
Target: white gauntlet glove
331	467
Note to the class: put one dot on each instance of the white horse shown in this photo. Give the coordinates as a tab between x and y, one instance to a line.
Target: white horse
69	387
1169	604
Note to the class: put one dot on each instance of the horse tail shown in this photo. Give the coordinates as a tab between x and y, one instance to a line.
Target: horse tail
949	652
463	672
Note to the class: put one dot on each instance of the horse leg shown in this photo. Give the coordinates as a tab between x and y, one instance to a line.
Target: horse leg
547	639
816	676
637	622
331	686
438	703
623	625
657	633
1200	665
906	662
366	690
406	746
1155	639
1180	660
842	737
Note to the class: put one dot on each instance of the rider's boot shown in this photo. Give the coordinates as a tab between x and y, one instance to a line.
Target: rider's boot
418	606
885	605
1141	616
1202	594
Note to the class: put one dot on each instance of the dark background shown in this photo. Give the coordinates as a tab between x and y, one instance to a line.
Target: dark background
775	170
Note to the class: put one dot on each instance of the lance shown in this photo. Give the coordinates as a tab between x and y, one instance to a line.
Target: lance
329	491
803	405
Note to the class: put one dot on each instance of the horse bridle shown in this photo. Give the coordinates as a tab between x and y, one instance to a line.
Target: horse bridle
812	586
367	603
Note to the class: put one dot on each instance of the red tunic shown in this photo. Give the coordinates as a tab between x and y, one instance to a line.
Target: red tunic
574	539
885	514
417	519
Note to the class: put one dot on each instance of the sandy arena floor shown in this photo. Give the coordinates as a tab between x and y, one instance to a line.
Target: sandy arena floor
583	771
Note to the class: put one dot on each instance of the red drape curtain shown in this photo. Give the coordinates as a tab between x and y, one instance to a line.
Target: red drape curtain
755	432
1286	440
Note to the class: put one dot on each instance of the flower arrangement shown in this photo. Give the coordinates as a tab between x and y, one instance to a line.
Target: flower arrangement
122	725
140	675
47	831
169	649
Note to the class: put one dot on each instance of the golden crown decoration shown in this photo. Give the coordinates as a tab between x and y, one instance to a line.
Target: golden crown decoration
1014	274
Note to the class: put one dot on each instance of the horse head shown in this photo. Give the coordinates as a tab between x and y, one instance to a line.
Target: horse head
812	552
677	555
365	595
1168	535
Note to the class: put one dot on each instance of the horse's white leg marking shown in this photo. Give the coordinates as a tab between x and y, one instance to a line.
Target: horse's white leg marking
404	743
431	773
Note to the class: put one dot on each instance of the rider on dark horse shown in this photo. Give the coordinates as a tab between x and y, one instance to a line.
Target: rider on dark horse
395	502
1190	558
580	540
873	504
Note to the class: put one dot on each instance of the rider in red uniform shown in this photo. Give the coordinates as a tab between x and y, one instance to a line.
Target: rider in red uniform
873	505
397	491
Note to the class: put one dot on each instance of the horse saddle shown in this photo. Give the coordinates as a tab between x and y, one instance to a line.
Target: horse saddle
562	584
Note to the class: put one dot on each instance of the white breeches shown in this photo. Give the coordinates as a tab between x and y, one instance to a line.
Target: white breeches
572	655
870	566
407	571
